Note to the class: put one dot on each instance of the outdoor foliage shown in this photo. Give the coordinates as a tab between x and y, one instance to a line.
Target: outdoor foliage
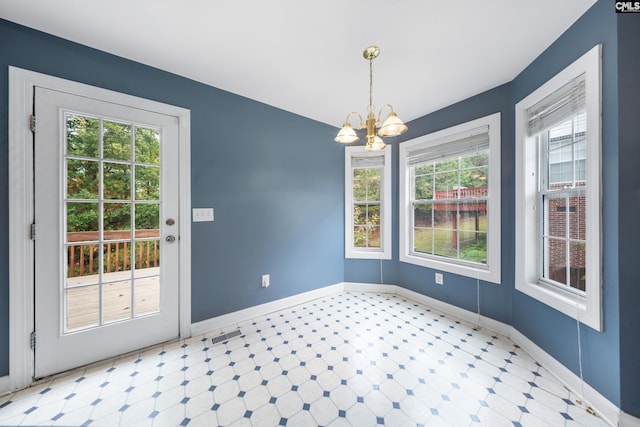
120	173
366	207
461	172
448	220
128	159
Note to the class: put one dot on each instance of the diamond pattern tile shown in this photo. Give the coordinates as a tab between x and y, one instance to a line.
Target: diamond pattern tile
351	359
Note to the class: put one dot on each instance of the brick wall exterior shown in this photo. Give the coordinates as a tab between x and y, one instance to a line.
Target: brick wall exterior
557	227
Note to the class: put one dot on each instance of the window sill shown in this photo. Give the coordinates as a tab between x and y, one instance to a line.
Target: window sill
360	254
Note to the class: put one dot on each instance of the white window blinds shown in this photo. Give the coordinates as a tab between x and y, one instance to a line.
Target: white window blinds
557	107
367	161
466	143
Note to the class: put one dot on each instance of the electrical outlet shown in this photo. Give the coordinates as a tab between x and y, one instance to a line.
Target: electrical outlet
265	280
439	279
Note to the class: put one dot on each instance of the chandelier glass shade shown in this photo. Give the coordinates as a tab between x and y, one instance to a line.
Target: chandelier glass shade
391	126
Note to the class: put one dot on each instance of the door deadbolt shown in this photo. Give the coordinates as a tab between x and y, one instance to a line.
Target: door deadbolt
170	221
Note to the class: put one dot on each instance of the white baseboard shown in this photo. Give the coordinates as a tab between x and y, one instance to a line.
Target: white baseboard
229	320
603	407
369	287
469	316
606	410
627	420
5	385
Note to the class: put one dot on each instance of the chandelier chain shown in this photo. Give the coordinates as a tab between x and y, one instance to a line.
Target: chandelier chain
370	108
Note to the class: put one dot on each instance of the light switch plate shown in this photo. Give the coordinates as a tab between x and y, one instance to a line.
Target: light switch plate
202	214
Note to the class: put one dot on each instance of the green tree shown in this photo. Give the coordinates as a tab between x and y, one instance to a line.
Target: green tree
83	139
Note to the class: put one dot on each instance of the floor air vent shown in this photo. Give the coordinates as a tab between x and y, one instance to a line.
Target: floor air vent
225	337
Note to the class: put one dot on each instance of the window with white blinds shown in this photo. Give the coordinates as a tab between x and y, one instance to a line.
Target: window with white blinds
450	199
557	107
558	192
367	203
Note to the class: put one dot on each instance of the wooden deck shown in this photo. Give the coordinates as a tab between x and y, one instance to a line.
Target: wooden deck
83	297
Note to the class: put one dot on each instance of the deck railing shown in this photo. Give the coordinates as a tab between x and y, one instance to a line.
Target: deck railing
84	258
463	193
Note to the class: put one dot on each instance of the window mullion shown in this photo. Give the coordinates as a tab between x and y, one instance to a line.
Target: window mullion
573	151
567	217
541	206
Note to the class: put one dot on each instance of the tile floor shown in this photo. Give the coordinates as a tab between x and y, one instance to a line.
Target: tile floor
352	359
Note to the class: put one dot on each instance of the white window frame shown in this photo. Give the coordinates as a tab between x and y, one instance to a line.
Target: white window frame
587	307
384	252
491	272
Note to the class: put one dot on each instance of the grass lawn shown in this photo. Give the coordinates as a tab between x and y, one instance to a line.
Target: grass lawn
441	241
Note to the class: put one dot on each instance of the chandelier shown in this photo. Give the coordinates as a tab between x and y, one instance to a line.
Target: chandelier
392	125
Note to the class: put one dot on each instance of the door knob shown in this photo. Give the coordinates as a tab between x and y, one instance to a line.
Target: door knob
170	239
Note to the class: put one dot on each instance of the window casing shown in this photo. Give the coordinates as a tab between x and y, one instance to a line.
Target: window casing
450	199
367	203
558	202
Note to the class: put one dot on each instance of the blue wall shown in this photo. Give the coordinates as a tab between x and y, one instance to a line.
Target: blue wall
274	178
600	351
629	181
460	291
278	194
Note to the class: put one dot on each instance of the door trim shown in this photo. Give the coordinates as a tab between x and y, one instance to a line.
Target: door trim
21	209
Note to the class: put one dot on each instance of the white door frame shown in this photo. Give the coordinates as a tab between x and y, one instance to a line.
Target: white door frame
21	248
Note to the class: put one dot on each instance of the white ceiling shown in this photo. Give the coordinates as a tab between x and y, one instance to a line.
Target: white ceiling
306	56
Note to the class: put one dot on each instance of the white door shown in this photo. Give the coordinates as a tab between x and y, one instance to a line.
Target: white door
106	218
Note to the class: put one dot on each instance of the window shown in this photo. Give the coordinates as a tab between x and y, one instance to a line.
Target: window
558	192
450	199
367	203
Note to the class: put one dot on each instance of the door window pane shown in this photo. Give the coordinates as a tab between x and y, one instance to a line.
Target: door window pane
147	257
83	220
116	301
147	183
83	264
147	218
82	136
116	139
147	145
117	181
117	221
83	307
82	179
147	295
116	258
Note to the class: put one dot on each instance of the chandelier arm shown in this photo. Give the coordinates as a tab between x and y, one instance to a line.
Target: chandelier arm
382	109
360	124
